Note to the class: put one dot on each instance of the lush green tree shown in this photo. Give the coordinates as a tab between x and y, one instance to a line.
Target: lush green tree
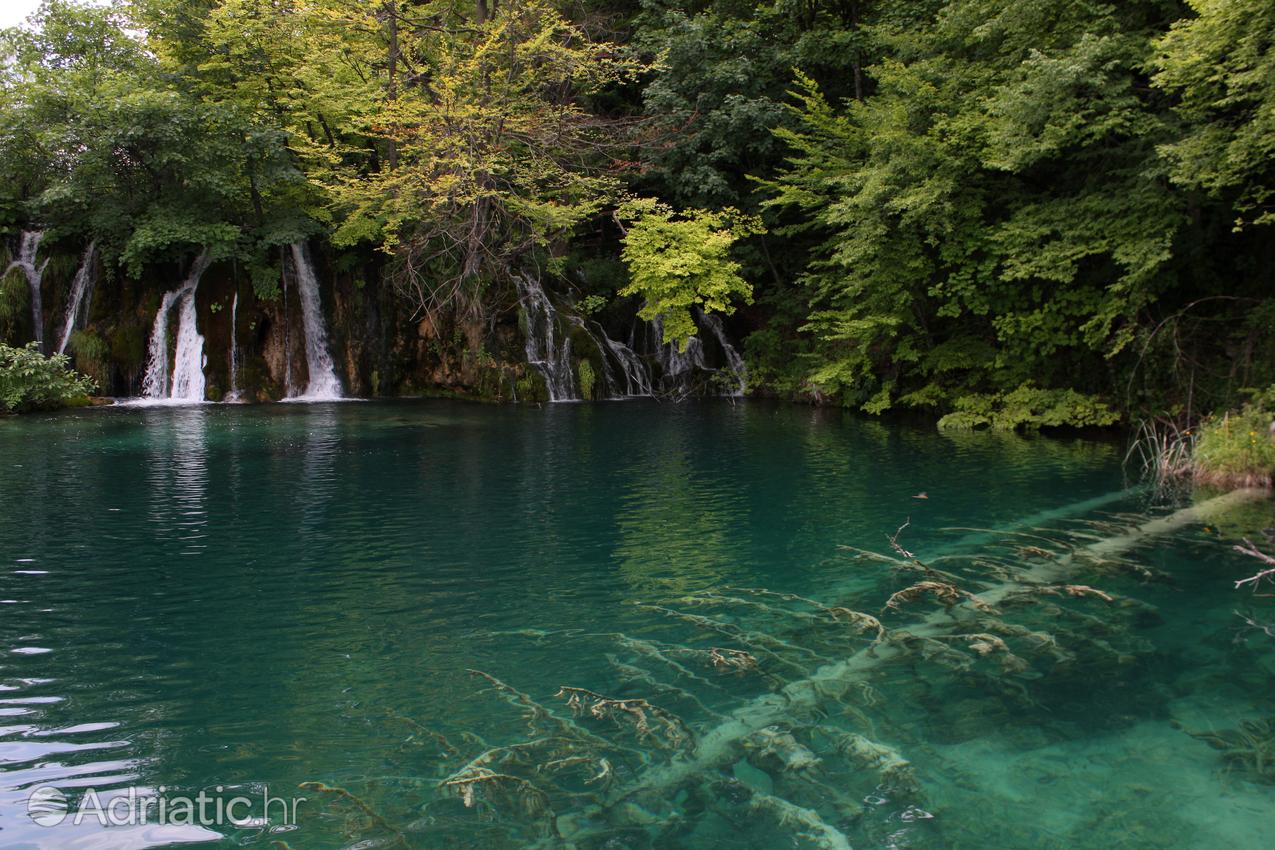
993	215
132	159
51	74
296	83
680	261
1221	67
498	160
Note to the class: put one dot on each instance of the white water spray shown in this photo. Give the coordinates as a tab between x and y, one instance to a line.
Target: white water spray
677	366
735	363
188	367
550	359
681	372
322	383
637	375
234	394
28	246
77	305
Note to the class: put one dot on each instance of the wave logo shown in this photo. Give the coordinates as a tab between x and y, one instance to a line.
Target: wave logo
47	806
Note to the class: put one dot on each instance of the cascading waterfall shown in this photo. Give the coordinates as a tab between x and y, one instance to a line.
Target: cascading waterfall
188	366
678	369
28	246
676	366
682	371
189	360
637	375
289	388
734	362
322	383
553	361
77	305
234	394
155	381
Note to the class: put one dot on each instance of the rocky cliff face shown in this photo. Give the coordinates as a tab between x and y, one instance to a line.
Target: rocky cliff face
378	347
378	344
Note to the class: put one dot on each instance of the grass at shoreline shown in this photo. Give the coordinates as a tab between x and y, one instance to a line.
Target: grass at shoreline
1236	449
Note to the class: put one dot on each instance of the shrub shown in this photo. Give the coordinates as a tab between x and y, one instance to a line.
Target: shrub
1028	408
31	381
92	356
587	378
1236	450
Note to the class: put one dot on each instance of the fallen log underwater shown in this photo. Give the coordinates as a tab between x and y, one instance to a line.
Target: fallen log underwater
714	747
774	757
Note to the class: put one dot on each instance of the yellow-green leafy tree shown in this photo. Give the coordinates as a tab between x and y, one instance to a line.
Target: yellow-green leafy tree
680	261
496	158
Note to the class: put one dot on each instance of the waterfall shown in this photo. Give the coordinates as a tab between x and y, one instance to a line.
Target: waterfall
234	393
681	372
188	362
28	246
77	305
734	362
680	369
675	364
322	383
289	388
551	360
188	366
155	381
637	375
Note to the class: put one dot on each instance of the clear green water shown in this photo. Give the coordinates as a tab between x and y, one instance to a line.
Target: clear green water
253	597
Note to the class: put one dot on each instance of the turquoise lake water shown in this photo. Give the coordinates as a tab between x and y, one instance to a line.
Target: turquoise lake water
242	599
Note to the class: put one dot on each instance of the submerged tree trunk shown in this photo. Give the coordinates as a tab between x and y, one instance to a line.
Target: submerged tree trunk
719	745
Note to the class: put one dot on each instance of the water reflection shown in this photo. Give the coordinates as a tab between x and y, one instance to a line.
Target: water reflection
677	527
318	479
263	596
177	473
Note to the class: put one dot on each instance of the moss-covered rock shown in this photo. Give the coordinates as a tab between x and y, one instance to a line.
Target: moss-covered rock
531	387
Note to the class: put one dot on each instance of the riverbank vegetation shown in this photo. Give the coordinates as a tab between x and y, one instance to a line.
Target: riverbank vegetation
30	381
1237	449
999	212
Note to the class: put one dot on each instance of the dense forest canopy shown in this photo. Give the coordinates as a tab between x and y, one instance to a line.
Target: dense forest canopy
998	211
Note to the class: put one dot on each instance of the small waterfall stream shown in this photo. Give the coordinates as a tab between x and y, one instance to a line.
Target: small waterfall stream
77	305
677	367
552	360
187	383
234	394
735	363
681	372
155	381
322	383
637	375
28	246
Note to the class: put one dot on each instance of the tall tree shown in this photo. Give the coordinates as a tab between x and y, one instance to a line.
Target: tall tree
995	215
1221	66
499	158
